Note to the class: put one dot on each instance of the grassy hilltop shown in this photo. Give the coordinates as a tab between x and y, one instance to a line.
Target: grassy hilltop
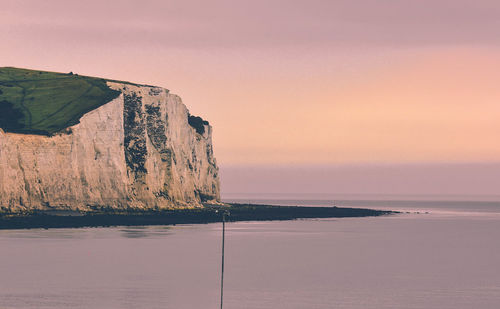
38	102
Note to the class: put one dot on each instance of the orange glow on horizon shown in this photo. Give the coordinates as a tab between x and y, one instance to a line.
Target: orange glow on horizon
327	82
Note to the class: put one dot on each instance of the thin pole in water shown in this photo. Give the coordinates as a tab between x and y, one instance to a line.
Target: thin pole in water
222	272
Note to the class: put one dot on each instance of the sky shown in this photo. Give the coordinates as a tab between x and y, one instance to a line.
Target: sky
320	90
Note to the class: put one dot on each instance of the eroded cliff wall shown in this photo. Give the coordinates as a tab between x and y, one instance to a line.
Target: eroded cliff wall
135	151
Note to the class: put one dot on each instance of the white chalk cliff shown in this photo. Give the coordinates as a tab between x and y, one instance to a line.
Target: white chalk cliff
136	151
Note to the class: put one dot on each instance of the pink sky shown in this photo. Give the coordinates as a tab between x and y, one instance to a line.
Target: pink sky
287	83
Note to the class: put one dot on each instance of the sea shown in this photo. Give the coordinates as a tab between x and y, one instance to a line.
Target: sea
439	252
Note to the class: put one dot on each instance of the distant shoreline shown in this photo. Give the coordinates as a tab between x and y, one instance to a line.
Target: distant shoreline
207	214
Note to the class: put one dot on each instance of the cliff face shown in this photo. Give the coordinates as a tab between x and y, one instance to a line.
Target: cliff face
136	151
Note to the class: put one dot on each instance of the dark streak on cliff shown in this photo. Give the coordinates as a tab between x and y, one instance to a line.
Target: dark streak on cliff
135	137
156	124
156	132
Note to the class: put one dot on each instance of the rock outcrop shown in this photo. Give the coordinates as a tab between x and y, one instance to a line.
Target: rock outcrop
139	151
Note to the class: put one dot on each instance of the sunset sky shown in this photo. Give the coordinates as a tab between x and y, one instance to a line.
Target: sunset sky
299	86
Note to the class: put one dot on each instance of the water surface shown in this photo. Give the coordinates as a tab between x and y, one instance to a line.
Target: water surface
445	259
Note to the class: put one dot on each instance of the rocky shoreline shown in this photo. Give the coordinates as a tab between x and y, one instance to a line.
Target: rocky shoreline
206	214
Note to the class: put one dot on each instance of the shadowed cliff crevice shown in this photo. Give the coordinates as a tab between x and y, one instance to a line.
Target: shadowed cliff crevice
197	123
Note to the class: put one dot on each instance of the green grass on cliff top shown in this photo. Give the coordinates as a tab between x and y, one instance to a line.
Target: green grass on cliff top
38	102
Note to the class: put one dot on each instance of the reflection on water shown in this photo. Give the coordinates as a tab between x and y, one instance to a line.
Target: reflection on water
445	261
92	233
143	232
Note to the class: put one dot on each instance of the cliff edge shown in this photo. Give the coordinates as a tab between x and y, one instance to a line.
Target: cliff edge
141	149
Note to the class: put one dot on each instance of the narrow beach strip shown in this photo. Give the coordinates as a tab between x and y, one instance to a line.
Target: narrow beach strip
207	214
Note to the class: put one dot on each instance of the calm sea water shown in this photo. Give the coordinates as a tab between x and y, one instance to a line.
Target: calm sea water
448	258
